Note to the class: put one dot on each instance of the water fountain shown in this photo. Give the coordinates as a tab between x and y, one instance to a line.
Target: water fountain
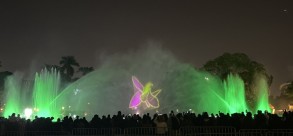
44	90
13	94
109	88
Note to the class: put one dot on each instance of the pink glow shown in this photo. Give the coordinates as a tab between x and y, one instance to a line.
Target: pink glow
151	102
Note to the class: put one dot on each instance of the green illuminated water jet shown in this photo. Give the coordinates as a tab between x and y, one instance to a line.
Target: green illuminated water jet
40	96
262	99
13	98
46	88
235	94
203	92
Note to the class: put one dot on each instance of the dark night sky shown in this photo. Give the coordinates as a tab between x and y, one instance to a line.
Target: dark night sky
33	33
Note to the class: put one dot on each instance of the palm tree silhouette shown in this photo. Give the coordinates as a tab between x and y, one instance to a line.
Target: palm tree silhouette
67	63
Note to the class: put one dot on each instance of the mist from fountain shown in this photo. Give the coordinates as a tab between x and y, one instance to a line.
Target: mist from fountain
39	97
46	87
12	91
109	88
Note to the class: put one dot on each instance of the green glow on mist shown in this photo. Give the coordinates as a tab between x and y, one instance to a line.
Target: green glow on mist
13	101
46	87
262	101
234	91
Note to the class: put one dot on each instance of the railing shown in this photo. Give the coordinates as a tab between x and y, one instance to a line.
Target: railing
36	133
211	131
152	131
97	132
266	132
253	132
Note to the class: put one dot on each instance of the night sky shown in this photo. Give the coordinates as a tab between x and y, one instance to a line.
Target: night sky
33	33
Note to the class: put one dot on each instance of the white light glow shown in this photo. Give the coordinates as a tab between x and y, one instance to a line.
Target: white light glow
28	112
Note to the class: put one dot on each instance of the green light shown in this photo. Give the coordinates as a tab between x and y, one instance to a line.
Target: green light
46	87
13	99
262	101
235	94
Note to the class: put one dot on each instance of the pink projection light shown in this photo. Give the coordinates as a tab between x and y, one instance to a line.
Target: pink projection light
144	94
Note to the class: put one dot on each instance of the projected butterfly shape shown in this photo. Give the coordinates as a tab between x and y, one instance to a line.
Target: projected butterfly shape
144	94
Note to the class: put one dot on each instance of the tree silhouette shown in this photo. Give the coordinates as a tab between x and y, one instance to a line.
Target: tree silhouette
241	64
237	63
3	76
67	63
85	70
287	90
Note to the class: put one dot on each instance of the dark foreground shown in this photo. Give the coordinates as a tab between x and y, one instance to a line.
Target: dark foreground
183	124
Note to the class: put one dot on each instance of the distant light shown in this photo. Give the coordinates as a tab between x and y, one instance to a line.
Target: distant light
206	78
137	112
69	106
1	109
74	116
85	114
28	112
88	103
63	107
177	110
76	91
36	109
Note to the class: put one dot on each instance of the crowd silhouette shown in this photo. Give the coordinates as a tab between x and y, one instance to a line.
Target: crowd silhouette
165	122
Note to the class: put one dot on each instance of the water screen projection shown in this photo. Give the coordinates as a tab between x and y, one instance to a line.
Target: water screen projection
144	94
116	85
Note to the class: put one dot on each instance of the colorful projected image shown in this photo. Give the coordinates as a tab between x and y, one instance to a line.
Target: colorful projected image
144	95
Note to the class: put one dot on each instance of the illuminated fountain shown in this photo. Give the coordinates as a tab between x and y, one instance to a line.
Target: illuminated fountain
13	95
262	94
112	87
234	91
45	89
